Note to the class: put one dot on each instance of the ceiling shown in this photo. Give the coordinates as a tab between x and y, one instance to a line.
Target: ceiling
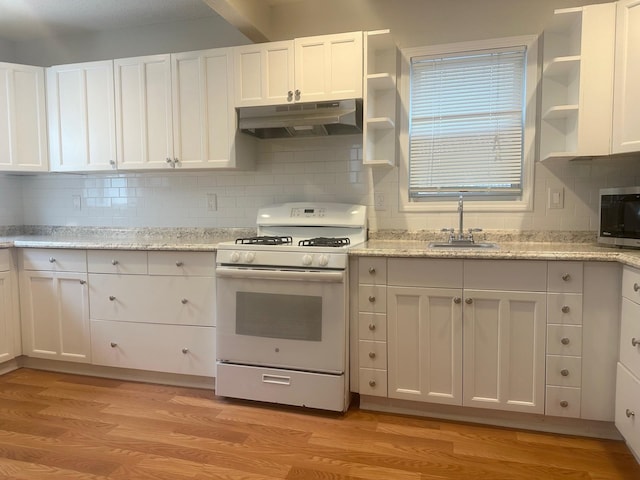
22	20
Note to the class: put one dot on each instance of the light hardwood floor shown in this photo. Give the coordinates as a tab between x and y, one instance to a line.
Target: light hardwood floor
59	426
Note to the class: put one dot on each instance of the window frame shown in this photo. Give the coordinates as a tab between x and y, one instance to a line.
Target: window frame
483	202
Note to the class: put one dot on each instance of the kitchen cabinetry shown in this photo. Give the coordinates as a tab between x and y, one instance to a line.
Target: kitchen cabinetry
176	111
8	327
309	69
153	311
380	67
627	409
55	304
577	82
81	113
23	127
626	92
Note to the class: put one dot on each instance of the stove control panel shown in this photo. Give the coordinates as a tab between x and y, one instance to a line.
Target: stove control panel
298	212
258	258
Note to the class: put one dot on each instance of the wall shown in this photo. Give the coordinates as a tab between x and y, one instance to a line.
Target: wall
10	200
7	51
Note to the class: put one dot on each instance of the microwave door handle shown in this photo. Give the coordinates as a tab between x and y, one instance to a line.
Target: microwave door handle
327	276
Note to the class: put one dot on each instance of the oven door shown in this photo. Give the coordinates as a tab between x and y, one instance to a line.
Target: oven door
282	318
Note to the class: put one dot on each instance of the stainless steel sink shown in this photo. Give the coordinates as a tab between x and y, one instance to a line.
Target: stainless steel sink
460	245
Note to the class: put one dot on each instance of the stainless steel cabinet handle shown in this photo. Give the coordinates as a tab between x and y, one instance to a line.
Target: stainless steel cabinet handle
112	298
372	355
566	277
564	404
185	350
114	262
468	301
372	327
636	287
184	301
113	344
635	342
457	300
372	270
52	260
565	341
372	298
372	383
565	309
629	413
179	264
564	372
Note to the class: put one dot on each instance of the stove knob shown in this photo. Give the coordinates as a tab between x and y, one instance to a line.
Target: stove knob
235	257
307	259
249	257
323	260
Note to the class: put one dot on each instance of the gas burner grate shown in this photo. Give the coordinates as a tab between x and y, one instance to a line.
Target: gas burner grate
265	240
324	242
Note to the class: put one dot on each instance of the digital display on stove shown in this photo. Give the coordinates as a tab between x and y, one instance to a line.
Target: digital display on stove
308	212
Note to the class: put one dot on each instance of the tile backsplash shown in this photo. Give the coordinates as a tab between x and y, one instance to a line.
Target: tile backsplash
290	170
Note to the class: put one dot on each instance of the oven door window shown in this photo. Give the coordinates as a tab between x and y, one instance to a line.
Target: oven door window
271	315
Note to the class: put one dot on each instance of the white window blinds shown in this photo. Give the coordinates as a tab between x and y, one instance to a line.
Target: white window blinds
466	123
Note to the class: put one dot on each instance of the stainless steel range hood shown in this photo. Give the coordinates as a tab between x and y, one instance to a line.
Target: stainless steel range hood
342	117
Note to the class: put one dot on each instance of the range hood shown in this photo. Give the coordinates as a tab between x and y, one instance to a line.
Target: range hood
343	117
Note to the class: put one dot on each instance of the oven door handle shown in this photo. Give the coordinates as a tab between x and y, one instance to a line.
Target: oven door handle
328	276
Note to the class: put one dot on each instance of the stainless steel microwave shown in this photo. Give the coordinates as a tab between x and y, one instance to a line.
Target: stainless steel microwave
620	217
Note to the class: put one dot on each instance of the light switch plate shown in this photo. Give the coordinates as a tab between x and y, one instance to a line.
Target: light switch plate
556	198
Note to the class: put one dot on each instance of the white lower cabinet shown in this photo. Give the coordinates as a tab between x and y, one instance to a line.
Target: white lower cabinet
8	327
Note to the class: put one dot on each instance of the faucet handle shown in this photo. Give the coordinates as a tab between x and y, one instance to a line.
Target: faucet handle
472	231
450	230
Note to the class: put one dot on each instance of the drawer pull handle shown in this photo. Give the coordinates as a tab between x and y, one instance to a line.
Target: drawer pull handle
372	355
630	413
565	309
179	264
112	298
636	287
635	342
276	379
372	383
114	262
372	270
457	300
565	341
185	350
372	298
372	327
566	277
113	344
564	372
184	301
468	301
52	260
564	404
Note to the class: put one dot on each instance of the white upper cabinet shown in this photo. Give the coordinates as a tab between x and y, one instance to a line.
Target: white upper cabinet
626	100
577	82
81	113
309	69
23	127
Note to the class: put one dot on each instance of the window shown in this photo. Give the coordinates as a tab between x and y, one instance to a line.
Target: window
469	124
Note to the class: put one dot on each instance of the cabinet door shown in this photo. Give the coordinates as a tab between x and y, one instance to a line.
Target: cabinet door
264	74
81	112
328	67
425	344
504	350
143	112
23	123
626	93
55	315
6	318
203	111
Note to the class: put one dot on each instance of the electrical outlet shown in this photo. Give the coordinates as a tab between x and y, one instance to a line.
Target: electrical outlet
76	200
378	201
556	198
212	202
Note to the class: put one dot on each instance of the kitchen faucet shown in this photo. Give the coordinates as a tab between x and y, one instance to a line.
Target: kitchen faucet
461	237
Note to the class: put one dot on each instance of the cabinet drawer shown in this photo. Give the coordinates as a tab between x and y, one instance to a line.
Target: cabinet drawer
152	299
163	348
117	261
5	263
54	259
565	277
564	340
564	308
627	412
416	272
562	402
182	263
630	336
564	371
372	354
372	326
631	284
372	298
372	270
373	382
509	275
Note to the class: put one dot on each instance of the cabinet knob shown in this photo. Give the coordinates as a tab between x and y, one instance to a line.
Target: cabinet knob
184	301
635	342
168	160
372	270
629	413
372	383
565	309
457	300
112	298
112	163
52	260
297	92
114	262
289	96
372	355
566	277
636	287
83	282
113	344
176	160
372	327
468	301
564	404
185	350
564	372
372	298
565	341
179	264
